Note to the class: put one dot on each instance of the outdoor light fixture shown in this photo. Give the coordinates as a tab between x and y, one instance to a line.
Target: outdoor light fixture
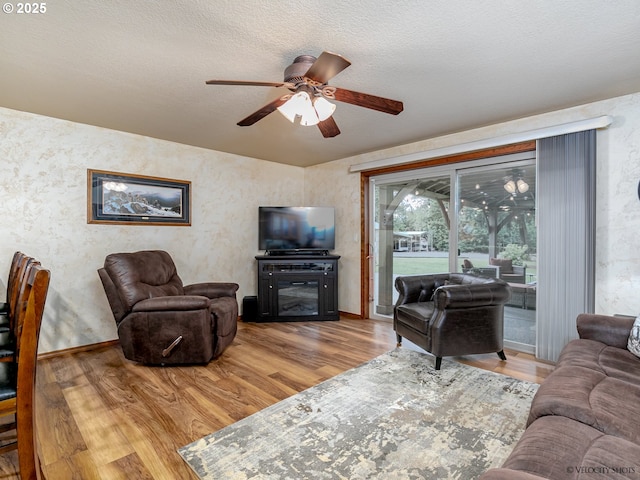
522	185
311	112
510	186
518	186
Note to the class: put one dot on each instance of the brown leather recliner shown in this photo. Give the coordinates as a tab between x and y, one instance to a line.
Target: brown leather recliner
160	320
450	314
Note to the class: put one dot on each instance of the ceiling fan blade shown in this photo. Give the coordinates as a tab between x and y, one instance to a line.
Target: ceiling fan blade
252	84
327	66
386	105
263	112
329	128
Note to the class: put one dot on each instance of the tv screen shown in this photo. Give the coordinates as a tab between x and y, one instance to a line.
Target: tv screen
296	228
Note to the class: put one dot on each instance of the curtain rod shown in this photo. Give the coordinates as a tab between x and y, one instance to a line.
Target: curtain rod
545	132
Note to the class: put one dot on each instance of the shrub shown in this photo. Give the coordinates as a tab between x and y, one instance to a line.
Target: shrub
517	253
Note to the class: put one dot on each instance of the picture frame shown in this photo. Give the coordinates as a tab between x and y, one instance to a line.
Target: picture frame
130	199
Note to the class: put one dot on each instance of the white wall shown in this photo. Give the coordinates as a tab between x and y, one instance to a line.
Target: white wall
43	191
43	209
618	207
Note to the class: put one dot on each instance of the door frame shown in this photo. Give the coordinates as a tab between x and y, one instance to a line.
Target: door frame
366	248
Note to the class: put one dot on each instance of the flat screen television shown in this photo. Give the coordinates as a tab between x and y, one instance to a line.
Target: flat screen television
290	229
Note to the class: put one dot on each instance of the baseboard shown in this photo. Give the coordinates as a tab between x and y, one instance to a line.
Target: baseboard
109	343
72	350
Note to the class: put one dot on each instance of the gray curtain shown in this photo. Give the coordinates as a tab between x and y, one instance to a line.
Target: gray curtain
566	240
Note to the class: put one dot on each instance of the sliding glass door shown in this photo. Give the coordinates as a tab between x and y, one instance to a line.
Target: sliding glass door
478	219
497	237
410	234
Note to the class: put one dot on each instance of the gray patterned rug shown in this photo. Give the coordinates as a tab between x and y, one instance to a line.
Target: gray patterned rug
394	417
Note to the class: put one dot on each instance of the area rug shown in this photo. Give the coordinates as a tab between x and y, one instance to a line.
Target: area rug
394	417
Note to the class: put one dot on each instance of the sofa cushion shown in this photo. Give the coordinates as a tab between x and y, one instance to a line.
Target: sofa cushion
416	315
560	448
608	404
505	264
634	338
611	361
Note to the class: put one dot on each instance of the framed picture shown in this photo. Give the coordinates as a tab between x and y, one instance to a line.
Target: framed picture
122	198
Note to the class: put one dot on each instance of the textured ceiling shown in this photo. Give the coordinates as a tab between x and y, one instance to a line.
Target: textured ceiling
140	67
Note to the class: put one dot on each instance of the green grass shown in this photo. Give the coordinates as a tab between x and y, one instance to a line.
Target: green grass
418	265
414	266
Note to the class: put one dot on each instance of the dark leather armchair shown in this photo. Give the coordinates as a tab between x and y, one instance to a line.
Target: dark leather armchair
450	314
160	320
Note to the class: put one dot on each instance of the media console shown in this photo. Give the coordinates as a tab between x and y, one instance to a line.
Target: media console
297	287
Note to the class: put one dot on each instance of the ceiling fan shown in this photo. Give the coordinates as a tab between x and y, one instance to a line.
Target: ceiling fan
307	78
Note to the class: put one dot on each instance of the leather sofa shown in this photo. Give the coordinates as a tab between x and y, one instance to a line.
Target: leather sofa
160	320
584	420
450	314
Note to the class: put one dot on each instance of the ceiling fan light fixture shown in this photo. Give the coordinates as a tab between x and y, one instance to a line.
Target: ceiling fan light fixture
309	118
324	108
294	105
299	105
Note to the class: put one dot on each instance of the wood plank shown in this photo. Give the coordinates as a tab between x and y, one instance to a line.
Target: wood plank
101	416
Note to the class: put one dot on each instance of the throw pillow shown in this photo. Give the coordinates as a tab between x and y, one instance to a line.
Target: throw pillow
505	264
634	338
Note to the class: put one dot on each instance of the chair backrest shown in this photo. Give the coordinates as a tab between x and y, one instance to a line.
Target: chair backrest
141	275
13	286
27	327
13	272
505	264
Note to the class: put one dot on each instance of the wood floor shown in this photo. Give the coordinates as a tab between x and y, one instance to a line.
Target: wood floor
103	417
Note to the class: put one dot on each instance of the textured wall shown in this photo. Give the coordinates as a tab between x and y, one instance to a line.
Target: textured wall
43	209
43	187
618	207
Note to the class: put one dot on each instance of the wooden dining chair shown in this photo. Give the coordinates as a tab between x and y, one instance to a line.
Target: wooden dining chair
17	387
14	280
7	320
13	272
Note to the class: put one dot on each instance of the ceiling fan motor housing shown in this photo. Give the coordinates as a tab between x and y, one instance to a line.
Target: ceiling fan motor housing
295	72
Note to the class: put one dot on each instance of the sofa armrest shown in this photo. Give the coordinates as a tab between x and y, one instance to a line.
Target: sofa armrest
613	331
212	289
471	295
508	474
172	303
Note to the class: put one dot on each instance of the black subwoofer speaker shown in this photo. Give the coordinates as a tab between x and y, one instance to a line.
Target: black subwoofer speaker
250	309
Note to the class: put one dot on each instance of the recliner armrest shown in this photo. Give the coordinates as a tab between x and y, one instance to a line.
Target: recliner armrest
613	331
172	303
212	289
